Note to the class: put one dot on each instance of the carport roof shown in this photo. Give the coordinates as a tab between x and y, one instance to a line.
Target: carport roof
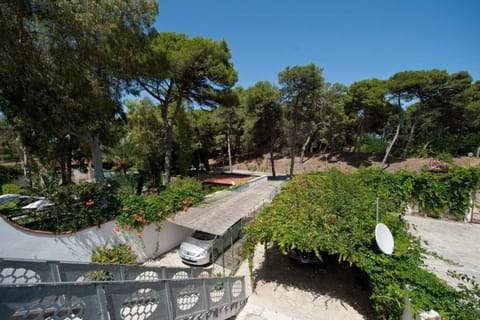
225	208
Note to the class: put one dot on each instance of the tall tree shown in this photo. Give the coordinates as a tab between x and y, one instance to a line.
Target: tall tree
334	128
204	131
472	112
62	63
263	100
367	106
300	87
398	93
175	69
145	126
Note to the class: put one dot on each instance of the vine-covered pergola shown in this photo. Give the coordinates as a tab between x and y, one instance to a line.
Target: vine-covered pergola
334	212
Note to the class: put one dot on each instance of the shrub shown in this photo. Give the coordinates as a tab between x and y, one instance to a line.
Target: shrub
372	144
7	174
118	254
139	211
83	205
10	188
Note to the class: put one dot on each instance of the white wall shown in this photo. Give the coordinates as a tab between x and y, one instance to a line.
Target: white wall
25	244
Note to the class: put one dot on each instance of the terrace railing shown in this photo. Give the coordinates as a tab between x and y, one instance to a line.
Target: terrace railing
35	290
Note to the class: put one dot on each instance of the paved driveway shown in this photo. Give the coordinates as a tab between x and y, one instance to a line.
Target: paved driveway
287	289
222	210
455	241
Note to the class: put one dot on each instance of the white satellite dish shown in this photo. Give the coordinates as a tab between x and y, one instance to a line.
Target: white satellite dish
384	238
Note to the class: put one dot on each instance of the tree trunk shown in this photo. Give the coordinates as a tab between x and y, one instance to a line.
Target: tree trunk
69	164
140	182
304	147
389	148
96	158
478	151
410	139
272	159
168	153
25	165
63	169
292	143
292	154
358	138
229	150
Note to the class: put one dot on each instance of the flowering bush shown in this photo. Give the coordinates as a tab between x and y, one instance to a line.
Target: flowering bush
119	254
139	211
83	205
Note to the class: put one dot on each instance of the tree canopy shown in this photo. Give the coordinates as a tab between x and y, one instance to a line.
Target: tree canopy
176	70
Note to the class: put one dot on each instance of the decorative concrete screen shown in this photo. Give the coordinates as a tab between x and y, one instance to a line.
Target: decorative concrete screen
221	298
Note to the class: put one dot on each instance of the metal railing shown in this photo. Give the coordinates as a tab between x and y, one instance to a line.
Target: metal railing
212	298
255	210
18	271
249	184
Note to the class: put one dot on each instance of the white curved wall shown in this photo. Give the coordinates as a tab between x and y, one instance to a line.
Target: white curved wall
24	244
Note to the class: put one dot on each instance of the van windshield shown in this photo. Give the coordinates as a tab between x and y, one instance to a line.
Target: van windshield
200	235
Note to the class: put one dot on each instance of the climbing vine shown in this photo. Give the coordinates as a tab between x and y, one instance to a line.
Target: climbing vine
334	212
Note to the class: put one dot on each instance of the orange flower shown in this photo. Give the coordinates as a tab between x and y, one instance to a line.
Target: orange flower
139	234
117	229
141	212
125	209
90	203
185	208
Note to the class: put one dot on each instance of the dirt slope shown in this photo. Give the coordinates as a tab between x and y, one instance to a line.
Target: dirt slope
344	162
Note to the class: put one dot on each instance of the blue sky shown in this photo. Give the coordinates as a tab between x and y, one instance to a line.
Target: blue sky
351	40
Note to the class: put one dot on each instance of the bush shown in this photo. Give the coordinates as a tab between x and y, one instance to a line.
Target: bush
10	188
139	211
9	157
7	174
119	254
372	144
83	205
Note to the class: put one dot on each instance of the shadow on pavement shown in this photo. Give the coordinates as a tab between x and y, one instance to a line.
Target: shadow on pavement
338	281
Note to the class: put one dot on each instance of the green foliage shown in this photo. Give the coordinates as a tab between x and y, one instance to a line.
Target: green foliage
118	254
139	211
9	157
433	192
10	188
7	174
82	205
372	144
334	212
454	144
75	207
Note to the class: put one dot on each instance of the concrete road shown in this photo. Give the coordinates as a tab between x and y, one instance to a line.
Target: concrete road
287	289
454	241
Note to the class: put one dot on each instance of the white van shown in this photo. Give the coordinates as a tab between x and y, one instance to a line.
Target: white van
203	248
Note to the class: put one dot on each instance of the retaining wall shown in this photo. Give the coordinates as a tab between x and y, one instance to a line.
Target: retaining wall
20	243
